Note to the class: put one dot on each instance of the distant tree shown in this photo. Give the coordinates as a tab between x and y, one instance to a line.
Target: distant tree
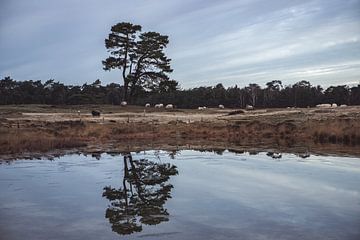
302	93
272	93
253	90
355	95
339	94
7	87
141	58
242	97
168	86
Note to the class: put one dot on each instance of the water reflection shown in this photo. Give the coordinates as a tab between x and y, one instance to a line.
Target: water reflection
274	155
141	199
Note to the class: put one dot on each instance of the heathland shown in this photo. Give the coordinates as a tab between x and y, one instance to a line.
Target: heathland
28	130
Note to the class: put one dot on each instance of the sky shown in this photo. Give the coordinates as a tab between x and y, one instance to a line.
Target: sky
233	42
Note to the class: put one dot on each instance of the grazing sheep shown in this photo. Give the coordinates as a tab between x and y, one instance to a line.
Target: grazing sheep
249	107
123	103
334	105
169	106
95	113
147	105
343	105
221	106
160	105
324	105
201	108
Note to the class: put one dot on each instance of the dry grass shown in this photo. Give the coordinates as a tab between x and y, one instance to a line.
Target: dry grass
21	143
62	129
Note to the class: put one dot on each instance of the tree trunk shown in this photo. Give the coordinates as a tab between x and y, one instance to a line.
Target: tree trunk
126	89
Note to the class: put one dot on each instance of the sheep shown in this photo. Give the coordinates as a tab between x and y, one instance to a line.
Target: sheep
147	105
324	105
159	105
249	107
334	105
201	108
123	103
169	106
343	105
95	113
221	106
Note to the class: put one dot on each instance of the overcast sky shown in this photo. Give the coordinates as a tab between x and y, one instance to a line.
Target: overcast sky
211	41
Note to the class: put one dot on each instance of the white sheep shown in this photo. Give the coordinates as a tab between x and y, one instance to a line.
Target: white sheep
334	105
343	105
324	105
221	106
169	106
123	103
147	105
201	108
159	105
249	107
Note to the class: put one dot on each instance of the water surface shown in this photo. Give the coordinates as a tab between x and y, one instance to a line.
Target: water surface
181	195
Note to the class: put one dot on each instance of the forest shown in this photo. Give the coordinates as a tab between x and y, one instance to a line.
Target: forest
273	95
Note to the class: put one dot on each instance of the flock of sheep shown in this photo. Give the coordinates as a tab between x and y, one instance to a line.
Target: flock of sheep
160	105
328	105
248	107
168	106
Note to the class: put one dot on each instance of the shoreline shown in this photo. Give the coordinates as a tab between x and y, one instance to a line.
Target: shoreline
216	147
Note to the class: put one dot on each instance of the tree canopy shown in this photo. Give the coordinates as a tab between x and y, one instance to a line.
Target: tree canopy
140	56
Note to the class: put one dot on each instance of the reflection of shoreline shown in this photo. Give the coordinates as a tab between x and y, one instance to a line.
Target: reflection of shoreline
141	198
174	145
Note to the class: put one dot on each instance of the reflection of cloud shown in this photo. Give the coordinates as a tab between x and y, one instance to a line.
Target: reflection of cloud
235	42
262	183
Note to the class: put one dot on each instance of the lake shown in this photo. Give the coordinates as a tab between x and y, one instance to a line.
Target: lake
181	195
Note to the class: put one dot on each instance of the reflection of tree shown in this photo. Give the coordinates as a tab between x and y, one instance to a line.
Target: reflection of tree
173	153
142	196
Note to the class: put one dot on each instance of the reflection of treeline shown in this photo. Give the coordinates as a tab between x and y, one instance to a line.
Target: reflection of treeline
301	94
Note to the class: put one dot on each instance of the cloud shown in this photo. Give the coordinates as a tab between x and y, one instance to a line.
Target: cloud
211	41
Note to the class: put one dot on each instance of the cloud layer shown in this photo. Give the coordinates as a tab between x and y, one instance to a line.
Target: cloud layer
211	41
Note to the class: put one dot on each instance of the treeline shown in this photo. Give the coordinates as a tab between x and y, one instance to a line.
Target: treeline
301	94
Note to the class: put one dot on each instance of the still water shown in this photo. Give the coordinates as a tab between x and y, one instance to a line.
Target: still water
181	195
